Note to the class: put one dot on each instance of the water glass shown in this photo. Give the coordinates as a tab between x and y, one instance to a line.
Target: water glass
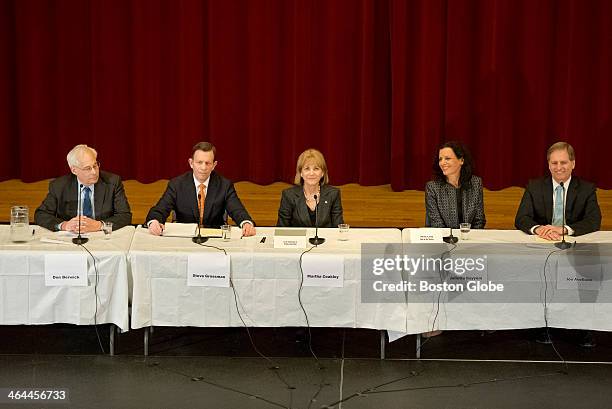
226	232
344	230
20	224
465	230
107	228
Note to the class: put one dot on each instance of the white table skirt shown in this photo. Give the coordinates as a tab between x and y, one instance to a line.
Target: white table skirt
265	279
25	300
510	315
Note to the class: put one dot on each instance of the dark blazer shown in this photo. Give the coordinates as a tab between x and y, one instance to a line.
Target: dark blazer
61	203
582	212
180	196
293	211
441	204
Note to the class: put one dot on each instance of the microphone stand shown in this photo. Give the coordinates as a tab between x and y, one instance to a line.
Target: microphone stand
78	240
450	239
316	240
199	239
564	245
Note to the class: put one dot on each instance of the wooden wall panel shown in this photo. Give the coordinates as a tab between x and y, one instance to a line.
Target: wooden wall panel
364	206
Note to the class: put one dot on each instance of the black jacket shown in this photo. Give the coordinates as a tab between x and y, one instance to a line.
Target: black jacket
582	211
180	196
61	203
293	211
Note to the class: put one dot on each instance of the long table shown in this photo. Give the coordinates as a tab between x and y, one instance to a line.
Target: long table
266	281
521	258
25	300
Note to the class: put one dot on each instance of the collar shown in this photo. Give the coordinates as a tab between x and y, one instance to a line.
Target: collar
79	183
197	183
565	184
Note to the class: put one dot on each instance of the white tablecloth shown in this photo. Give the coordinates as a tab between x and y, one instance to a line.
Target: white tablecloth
266	281
24	298
512	315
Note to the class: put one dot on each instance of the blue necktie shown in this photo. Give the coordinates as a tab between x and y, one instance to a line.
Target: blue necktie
87	210
558	211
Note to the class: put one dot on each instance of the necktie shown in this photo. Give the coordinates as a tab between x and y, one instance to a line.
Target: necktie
201	200
558	210
87	210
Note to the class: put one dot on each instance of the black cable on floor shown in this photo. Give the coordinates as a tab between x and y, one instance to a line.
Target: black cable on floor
275	366
436	304
217	385
96	298
302	305
545	305
371	391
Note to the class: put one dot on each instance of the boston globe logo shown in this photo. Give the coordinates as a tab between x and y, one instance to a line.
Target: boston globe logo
434	269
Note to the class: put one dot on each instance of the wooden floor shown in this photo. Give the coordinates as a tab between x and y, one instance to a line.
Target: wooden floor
364	206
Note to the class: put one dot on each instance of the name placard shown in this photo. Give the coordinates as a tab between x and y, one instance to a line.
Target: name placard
208	270
68	270
584	277
323	270
290	239
426	235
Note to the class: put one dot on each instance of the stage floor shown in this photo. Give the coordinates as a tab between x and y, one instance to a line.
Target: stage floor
218	368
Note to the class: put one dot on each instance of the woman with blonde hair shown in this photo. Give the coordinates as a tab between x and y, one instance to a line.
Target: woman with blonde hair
297	206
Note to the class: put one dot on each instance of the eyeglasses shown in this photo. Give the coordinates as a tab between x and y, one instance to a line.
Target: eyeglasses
95	167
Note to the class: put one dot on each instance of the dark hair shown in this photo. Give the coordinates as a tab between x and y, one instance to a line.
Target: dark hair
461	152
206	147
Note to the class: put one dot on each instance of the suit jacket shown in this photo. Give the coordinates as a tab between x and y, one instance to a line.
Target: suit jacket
582	212
61	203
441	204
293	211
180	196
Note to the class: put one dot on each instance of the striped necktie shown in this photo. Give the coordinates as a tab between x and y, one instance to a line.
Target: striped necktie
557	219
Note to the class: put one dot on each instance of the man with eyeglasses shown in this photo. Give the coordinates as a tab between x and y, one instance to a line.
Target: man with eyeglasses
96	195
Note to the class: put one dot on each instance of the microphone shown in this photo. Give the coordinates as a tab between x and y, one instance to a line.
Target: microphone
564	245
78	239
316	240
199	239
450	239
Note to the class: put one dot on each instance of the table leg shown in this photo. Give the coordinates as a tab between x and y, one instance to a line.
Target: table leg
147	331
111	340
383	343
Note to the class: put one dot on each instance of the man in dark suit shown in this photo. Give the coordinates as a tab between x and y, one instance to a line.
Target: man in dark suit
541	209
200	196
102	197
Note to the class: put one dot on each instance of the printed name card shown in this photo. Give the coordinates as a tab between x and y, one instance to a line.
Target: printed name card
69	270
426	235
578	277
323	270
290	239
208	270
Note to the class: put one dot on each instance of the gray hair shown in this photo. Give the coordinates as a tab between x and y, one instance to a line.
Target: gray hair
76	152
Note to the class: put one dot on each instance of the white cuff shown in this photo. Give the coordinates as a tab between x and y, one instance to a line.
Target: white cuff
246	221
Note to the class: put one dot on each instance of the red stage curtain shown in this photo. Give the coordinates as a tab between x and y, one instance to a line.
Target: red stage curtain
374	84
